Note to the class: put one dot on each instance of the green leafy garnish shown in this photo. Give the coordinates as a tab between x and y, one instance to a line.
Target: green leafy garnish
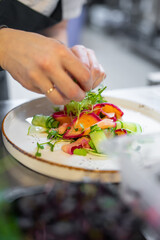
95	128
52	145
39	146
52	134
91	99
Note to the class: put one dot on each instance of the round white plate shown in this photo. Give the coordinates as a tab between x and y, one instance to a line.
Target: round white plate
59	164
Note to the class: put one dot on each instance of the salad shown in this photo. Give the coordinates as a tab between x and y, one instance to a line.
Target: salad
83	125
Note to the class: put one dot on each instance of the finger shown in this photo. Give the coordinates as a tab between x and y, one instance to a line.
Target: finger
29	86
101	78
43	83
94	66
78	70
34	89
56	97
66	85
81	52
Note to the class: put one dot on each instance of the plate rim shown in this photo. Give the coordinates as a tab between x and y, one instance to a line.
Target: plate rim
42	159
53	163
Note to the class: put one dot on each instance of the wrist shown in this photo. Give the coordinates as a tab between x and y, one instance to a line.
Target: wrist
3	30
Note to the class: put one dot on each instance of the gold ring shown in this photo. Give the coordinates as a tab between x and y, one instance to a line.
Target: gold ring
50	90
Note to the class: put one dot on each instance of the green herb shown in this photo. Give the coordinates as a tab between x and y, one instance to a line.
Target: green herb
80	151
68	128
51	134
39	146
95	128
54	135
28	130
52	145
91	99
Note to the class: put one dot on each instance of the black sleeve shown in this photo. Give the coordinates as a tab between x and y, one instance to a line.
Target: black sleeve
19	16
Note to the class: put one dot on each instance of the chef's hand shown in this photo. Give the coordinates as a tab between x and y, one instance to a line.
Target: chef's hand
87	56
44	65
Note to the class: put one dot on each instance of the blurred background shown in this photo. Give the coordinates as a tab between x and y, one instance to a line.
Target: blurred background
125	35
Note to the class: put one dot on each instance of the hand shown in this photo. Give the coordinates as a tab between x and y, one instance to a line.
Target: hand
87	56
39	63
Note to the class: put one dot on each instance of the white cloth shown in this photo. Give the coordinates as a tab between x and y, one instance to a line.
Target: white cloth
70	8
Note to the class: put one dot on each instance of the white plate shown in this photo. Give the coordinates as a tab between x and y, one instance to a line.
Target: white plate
59	164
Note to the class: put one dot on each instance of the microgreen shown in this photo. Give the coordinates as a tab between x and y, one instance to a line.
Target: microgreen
52	134
52	145
91	99
39	146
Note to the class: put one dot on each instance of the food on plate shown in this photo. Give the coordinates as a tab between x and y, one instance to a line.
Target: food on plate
83	124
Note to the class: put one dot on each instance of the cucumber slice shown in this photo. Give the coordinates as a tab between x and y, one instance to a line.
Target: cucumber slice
44	121
36	129
133	127
139	128
39	120
118	124
97	137
129	125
